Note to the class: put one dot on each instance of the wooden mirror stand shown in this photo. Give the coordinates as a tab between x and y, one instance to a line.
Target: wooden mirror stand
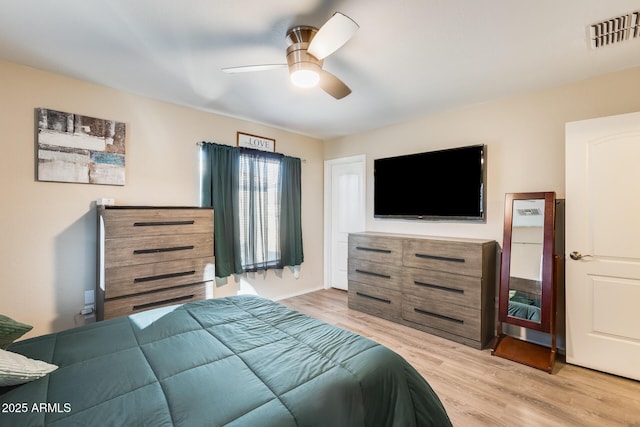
527	296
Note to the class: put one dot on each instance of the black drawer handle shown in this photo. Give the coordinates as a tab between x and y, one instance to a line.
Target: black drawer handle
382	251
161	223
371	273
158	250
164	302
163	276
439	287
440	258
439	316
386	301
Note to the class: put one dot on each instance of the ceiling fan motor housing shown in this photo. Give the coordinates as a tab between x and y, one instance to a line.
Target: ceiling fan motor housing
298	57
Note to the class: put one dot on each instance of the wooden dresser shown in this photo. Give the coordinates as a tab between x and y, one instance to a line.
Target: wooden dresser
444	286
151	257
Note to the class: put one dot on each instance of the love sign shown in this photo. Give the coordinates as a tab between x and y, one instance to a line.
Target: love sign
256	142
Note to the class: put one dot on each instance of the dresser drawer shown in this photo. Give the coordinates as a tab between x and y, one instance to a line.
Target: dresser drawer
375	249
376	274
448	256
129	305
133	222
134	279
381	302
452	318
142	250
446	287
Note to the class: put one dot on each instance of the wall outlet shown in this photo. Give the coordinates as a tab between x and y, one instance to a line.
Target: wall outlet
103	201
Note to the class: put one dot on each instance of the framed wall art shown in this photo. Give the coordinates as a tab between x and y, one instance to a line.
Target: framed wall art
79	149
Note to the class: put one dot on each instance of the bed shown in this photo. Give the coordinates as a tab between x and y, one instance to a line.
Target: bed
235	361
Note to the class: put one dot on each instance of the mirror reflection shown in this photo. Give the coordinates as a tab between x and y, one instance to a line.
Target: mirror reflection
527	241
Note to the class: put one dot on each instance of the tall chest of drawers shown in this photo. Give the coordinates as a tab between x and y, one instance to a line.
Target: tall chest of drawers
444	286
151	257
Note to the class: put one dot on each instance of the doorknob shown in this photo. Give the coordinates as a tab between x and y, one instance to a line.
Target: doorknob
575	255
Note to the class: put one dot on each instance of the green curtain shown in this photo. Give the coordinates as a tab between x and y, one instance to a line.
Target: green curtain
291	252
219	189
221	170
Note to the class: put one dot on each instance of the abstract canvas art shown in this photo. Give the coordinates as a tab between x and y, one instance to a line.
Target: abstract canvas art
80	149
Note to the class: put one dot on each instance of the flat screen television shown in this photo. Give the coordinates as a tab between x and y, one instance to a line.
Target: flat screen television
443	185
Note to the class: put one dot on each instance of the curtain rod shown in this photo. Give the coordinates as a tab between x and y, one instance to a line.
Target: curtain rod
200	144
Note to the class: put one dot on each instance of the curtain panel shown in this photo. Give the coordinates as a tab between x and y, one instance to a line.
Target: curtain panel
219	190
256	197
291	252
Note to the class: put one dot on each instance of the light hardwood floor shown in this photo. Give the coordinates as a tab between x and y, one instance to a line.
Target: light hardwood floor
478	389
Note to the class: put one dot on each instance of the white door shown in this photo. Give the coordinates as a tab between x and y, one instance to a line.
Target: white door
344	213
603	225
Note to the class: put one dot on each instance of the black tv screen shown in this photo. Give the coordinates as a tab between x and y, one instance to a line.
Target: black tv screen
435	185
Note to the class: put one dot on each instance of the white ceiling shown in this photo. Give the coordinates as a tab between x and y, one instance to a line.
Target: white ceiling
409	57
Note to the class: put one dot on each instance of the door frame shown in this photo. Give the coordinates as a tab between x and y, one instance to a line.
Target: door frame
328	208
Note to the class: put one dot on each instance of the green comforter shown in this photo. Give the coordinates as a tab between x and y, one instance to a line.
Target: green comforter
236	361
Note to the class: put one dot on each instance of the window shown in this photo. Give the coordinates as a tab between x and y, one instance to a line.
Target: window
257	208
259	211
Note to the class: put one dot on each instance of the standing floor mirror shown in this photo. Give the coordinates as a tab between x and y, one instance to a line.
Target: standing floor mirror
527	296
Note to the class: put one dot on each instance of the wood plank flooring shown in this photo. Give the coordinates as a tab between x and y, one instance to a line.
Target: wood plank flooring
478	389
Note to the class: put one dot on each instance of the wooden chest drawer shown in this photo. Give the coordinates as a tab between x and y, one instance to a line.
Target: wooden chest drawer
441	286
142	250
149	277
152	256
381	302
371	273
452	318
143	222
447	285
375	249
136	303
448	256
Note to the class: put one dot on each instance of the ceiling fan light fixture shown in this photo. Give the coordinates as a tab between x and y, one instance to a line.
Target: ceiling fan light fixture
305	78
305	75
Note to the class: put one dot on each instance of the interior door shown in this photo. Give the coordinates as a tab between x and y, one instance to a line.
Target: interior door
345	191
603	244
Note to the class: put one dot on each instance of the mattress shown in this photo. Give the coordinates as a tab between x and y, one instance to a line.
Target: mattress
235	361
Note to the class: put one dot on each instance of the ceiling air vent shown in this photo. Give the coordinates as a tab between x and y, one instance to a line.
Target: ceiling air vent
615	30
529	212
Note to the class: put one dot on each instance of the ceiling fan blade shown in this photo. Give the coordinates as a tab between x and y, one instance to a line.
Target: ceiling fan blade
333	85
252	68
332	35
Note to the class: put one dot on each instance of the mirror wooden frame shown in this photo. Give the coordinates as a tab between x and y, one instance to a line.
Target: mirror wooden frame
509	347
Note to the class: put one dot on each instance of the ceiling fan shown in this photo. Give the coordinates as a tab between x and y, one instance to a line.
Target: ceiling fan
308	47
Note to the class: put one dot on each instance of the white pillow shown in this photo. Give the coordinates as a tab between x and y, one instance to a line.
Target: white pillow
18	369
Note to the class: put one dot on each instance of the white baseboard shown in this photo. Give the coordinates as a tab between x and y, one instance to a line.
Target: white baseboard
295	294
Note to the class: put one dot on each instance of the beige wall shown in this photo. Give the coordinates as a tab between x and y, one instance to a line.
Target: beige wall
47	230
524	137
